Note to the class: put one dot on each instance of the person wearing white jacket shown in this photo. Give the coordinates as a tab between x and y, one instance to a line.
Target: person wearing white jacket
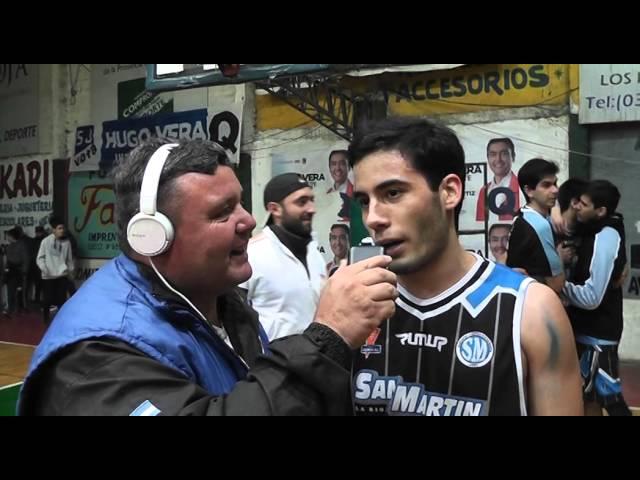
56	263
288	270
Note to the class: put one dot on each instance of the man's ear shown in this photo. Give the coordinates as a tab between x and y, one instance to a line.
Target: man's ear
274	209
451	191
601	212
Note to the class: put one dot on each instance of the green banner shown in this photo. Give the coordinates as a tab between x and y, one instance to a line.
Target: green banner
135	102
358	229
9	400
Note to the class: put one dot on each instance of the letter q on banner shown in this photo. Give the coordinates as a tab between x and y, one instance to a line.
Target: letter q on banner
225	128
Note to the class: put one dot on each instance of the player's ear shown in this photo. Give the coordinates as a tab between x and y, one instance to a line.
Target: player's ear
451	191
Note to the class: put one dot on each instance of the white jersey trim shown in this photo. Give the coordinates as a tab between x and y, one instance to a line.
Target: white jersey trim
449	291
518	311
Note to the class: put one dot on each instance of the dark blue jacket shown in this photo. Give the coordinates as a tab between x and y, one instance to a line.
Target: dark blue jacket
123	308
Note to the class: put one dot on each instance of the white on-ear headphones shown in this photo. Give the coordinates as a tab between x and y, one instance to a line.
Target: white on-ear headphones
149	232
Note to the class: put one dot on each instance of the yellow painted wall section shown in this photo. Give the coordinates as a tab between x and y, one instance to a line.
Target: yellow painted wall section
574	82
478	88
272	112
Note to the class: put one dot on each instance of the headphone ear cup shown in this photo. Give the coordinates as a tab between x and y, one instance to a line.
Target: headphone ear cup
150	235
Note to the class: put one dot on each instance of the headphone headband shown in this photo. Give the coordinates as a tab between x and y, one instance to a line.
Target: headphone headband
151	179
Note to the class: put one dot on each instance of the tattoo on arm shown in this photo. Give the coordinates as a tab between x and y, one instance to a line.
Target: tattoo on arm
554	342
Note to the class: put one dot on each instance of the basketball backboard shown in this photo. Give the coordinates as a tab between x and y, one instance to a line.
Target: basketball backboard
171	76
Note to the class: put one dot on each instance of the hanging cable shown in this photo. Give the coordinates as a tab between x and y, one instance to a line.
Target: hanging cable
73	82
313	130
561	149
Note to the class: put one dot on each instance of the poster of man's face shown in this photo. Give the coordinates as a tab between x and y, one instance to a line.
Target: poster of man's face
500	156
339	241
338	167
499	198
499	241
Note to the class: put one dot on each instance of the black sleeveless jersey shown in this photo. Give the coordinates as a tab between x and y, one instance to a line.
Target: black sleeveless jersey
457	354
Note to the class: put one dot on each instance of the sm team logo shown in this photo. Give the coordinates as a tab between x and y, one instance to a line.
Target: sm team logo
474	350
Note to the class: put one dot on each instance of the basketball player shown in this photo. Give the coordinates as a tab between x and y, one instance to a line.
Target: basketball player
469	337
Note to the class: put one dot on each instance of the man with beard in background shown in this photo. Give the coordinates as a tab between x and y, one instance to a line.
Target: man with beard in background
288	270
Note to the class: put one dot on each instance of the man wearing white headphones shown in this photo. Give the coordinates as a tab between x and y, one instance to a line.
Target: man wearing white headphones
162	329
